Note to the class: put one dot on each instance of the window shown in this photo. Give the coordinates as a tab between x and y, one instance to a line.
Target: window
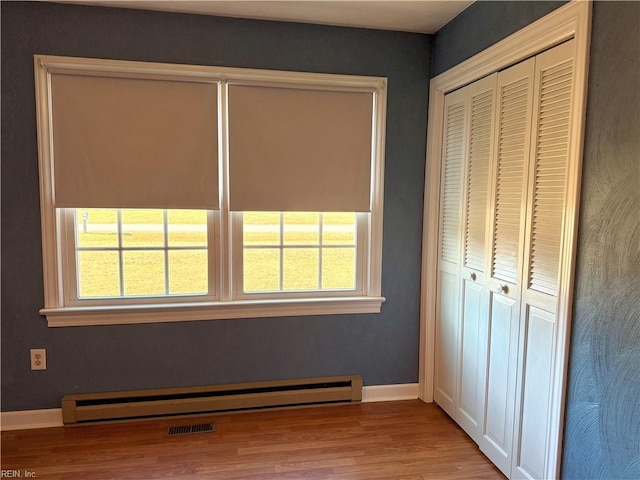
287	252
174	192
129	253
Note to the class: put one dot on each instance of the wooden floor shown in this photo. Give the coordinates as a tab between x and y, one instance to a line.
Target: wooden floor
390	440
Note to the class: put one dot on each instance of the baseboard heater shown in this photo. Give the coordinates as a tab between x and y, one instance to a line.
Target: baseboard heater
143	404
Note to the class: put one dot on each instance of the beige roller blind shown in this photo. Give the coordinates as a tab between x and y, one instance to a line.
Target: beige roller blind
134	143
299	150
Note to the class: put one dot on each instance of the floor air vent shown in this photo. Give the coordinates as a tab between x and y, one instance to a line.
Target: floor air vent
191	429
103	407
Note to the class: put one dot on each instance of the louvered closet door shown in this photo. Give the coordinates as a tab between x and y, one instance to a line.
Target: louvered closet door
507	212
448	288
546	206
475	262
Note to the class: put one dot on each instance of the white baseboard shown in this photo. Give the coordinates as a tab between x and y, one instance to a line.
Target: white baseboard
389	393
28	419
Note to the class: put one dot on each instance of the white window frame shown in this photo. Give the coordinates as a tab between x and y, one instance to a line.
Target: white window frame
225	299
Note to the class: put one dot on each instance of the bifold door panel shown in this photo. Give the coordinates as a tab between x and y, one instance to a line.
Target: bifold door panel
503	207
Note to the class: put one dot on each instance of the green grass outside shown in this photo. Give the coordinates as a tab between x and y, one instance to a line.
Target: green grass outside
99	272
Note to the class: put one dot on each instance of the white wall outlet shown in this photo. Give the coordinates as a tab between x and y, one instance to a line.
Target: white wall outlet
38	359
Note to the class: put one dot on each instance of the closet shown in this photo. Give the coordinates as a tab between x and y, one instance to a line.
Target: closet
503	216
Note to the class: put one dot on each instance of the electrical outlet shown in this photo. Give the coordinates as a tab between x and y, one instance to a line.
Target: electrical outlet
38	359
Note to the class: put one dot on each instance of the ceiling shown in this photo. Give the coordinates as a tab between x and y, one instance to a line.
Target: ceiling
422	16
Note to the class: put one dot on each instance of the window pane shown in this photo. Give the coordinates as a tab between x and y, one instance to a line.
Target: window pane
96	227
142	228
188	271
301	228
339	229
261	228
301	268
143	273
261	269
98	274
187	228
338	268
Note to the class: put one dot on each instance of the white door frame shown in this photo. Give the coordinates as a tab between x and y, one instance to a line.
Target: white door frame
570	21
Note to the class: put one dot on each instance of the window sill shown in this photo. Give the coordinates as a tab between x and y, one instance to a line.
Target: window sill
129	314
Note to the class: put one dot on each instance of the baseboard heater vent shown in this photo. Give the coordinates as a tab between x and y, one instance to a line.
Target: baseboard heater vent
141	404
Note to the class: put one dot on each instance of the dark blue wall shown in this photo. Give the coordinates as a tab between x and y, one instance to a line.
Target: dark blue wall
383	348
602	425
481	25
602	437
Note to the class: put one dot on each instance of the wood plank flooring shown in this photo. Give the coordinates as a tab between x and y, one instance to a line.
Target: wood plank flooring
407	440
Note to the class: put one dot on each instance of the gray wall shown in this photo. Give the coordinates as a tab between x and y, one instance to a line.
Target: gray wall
383	348
602	425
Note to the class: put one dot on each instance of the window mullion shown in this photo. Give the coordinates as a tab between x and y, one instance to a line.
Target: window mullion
293	247
362	251
165	237
137	249
120	252
70	280
281	284
213	268
228	244
320	242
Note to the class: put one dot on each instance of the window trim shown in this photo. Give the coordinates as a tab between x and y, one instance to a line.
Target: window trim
127	314
57	306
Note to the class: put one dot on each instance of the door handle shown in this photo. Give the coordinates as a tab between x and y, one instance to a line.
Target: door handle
472	276
502	288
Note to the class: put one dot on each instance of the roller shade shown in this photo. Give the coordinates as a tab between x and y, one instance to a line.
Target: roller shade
134	143
299	150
